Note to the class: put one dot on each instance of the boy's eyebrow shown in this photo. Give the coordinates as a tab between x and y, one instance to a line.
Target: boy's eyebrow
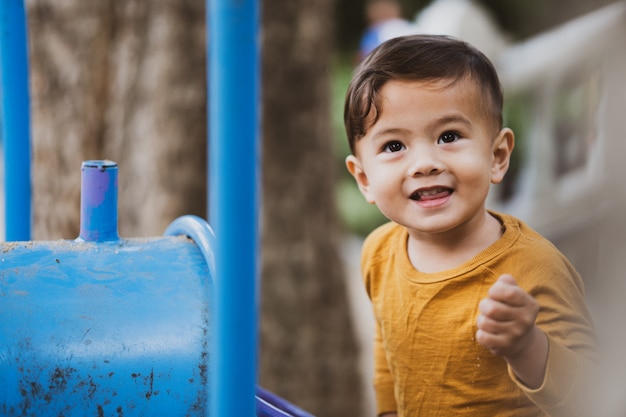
387	131
454	118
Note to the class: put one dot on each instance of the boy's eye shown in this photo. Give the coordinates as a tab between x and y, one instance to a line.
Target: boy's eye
448	137
394	146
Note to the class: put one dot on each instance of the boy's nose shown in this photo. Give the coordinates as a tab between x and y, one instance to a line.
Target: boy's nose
424	163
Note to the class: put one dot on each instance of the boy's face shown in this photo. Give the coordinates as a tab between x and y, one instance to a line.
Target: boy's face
428	162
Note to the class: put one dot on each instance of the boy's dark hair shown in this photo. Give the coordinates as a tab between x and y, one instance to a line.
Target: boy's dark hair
416	58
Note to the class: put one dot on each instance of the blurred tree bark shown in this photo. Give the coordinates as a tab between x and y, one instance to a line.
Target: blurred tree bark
125	80
121	80
308	351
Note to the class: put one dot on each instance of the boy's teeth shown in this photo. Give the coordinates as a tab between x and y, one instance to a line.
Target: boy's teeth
430	192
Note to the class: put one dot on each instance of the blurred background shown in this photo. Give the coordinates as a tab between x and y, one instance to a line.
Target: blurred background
126	81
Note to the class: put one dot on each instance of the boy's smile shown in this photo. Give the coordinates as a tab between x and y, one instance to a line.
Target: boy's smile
431	197
429	159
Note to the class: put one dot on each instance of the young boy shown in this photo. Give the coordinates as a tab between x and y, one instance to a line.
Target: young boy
476	314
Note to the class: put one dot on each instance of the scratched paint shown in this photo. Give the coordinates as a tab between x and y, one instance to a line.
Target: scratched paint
104	329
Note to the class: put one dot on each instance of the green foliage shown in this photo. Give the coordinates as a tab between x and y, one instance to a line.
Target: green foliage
517	116
356	214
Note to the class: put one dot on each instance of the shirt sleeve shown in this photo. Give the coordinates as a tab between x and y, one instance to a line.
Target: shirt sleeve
565	390
564	318
383	380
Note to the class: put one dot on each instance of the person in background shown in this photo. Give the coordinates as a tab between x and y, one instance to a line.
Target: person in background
385	21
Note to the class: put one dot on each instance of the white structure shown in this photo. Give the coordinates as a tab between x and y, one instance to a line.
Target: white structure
572	81
463	19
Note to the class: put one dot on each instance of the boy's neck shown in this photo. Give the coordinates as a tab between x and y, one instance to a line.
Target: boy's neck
440	252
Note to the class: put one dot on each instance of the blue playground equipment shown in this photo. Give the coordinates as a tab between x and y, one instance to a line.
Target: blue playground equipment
15	119
165	326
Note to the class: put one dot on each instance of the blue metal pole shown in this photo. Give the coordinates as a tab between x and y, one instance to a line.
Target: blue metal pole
15	119
234	178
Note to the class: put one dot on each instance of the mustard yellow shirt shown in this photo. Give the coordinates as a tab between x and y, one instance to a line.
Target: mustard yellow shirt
427	361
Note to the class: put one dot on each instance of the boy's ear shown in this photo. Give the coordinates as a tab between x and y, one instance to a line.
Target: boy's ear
502	148
356	169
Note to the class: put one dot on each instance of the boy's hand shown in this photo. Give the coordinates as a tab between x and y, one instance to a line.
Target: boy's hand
507	318
506	326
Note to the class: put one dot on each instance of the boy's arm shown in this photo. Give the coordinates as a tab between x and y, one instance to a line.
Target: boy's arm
506	326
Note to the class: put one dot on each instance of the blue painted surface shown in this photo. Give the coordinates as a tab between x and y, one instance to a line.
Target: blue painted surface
112	328
15	107
102	326
234	178
104	329
98	201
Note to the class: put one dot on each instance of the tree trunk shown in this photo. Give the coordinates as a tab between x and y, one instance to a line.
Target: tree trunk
125	81
308	349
